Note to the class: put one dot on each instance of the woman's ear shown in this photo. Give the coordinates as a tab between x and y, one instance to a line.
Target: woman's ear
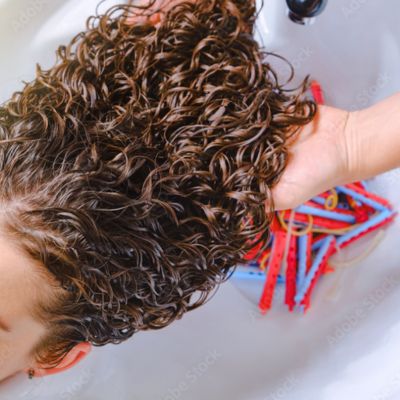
76	354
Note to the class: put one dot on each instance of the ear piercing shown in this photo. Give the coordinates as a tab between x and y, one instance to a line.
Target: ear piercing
31	373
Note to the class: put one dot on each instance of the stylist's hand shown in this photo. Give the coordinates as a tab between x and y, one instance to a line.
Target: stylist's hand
340	147
319	159
154	13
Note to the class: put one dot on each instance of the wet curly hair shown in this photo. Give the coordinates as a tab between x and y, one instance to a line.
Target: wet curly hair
137	171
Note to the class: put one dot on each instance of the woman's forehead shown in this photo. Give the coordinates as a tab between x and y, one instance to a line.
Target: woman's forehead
18	279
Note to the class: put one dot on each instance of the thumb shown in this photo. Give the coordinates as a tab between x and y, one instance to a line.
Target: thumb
287	195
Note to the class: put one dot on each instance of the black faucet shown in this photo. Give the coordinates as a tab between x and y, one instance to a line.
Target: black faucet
303	11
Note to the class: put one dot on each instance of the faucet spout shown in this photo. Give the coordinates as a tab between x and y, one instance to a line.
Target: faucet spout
303	12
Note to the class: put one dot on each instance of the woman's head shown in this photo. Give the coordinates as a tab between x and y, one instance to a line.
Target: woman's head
136	173
24	284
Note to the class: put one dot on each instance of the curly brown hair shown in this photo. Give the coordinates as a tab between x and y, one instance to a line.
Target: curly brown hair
137	171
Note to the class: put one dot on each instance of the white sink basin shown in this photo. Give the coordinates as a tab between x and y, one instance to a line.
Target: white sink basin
347	345
352	48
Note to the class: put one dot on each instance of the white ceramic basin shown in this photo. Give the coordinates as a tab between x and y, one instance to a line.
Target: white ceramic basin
347	345
352	48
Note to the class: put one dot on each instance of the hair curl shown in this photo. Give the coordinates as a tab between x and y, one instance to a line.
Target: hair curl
137	170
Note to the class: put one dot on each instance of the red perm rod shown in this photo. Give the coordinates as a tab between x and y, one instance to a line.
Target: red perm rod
274	266
290	290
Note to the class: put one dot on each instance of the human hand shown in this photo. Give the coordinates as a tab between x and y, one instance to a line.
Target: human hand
153	13
319	159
